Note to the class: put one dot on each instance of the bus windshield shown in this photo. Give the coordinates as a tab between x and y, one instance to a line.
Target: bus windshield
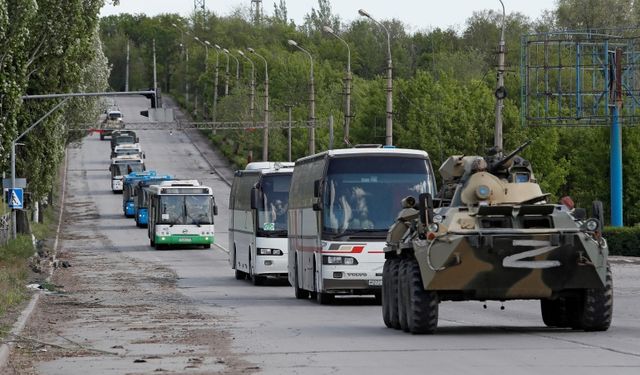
186	210
362	195
125	169
272	209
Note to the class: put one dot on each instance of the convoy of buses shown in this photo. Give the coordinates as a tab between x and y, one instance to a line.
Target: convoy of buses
322	222
175	212
319	223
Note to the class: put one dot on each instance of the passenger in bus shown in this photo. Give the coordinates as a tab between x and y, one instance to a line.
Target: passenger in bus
279	213
348	209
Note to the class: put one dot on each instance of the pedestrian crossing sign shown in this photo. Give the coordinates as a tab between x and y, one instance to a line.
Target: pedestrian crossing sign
16	198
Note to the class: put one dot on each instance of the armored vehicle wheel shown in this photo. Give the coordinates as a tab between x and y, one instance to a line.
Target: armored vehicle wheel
597	307
325	298
402	295
422	307
240	275
554	312
390	293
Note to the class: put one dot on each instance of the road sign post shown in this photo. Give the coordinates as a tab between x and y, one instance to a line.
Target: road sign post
16	198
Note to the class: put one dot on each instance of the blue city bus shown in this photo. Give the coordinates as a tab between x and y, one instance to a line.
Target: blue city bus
141	199
128	190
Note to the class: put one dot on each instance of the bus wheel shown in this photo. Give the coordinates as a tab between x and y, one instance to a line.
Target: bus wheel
151	242
257	280
325	298
240	275
206	246
300	293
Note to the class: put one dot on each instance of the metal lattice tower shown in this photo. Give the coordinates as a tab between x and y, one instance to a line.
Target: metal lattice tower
256	8
198	5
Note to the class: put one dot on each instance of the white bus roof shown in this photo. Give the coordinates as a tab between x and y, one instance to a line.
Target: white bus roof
356	151
269	165
184	183
128	146
127	159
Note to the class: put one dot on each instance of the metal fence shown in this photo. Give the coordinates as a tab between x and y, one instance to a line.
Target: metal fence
5	229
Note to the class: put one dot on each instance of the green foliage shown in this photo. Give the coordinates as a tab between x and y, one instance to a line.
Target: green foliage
13	272
443	86
623	241
46	49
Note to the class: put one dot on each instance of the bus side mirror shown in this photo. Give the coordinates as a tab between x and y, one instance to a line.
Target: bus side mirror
215	210
425	203
254	198
317	193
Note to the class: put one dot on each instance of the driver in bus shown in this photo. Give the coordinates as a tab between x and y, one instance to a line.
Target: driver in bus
279	213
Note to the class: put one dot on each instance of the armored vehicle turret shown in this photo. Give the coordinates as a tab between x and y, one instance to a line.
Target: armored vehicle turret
492	234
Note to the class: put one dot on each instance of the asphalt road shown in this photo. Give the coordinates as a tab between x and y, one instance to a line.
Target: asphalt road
283	335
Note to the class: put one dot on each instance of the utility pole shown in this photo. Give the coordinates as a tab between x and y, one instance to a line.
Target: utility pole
289	107
501	92
126	80
155	69
265	131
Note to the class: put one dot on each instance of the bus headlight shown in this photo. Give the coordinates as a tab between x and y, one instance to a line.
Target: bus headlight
267	251
337	260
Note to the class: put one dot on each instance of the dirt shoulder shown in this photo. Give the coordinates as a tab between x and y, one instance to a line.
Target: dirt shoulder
112	314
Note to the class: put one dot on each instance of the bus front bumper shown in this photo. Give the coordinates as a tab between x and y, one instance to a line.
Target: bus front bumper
177	239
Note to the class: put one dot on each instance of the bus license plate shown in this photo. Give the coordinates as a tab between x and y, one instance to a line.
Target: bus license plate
375	282
189	240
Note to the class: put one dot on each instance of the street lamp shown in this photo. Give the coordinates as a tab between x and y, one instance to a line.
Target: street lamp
253	84
312	101
347	85
215	82
389	127
237	64
265	132
206	66
186	67
226	76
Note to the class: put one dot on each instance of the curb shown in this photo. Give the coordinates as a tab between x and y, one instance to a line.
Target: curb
5	348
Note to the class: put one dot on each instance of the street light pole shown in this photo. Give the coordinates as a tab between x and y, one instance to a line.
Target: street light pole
14	226
389	125
206	69
252	106
347	86
226	77
186	67
312	101
265	132
237	65
215	83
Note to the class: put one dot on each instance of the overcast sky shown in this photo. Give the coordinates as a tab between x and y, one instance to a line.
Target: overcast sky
418	14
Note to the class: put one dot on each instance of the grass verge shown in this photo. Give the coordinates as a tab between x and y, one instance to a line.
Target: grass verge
14	272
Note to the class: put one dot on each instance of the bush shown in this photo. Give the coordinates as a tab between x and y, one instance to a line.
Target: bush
623	241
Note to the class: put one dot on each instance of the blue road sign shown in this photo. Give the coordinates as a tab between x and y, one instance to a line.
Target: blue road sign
16	198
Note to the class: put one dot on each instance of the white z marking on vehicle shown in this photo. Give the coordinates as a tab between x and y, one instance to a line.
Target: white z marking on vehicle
514	261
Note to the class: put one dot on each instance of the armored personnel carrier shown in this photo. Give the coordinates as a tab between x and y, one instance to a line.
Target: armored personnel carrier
492	234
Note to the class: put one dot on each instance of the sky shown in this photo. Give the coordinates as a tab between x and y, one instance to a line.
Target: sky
417	14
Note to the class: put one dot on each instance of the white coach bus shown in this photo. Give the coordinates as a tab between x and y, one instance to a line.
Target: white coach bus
181	213
258	221
122	166
341	205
